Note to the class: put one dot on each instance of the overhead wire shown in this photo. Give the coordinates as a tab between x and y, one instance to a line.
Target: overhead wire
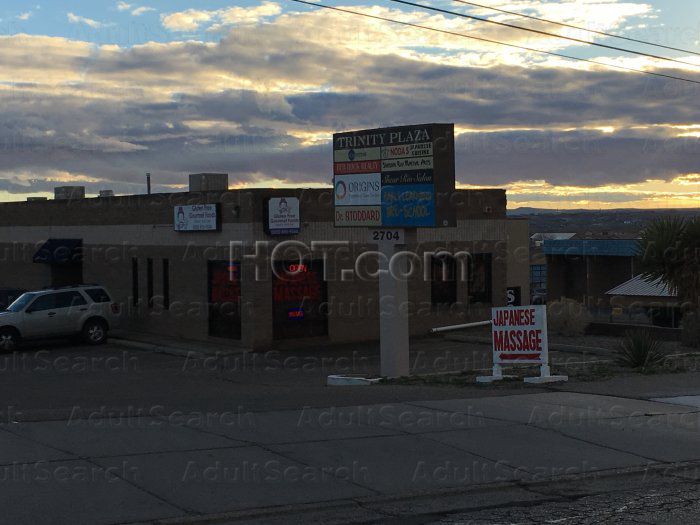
540	32
488	40
579	28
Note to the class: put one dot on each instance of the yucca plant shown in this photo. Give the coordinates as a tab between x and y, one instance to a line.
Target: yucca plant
669	249
640	350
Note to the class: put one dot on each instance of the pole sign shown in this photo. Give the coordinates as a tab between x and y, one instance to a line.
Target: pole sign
519	337
519	334
400	177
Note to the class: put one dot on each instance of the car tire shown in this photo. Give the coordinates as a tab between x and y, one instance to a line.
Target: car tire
95	332
9	339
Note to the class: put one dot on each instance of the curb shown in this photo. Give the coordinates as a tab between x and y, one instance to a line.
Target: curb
340	380
171	350
382	507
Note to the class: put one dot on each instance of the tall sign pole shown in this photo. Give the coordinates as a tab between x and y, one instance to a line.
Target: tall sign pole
388	180
393	314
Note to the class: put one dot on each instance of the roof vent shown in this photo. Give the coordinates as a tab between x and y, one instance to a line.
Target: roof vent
209	182
64	193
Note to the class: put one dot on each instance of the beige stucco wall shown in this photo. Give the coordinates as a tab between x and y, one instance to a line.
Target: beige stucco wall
113	239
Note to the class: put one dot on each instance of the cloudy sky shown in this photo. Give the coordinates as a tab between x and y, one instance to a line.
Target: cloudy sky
100	92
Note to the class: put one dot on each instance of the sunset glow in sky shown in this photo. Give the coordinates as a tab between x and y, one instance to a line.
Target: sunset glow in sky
99	93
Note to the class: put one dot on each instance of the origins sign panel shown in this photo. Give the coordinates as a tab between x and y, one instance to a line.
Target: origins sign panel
401	177
363	189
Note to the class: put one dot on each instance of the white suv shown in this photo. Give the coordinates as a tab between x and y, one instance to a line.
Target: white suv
85	310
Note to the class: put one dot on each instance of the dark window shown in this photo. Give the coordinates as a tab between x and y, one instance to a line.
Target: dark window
443	282
480	278
69	299
149	282
225	299
99	295
299	300
135	281
45	302
538	276
166	284
57	300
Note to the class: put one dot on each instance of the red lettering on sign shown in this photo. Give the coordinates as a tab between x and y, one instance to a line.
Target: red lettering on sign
365	166
517	340
297	286
519	357
519	317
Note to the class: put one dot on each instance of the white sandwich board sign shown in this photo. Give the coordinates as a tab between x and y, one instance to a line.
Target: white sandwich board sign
519	337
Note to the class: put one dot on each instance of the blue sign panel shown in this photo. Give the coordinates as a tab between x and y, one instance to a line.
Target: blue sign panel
408	205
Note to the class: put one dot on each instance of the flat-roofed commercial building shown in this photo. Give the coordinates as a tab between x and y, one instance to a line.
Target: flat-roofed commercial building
260	268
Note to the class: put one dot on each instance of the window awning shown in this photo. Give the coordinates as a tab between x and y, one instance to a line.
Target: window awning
60	251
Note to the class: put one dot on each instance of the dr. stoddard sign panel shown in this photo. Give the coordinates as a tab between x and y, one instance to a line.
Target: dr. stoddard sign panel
196	217
283	215
400	177
519	334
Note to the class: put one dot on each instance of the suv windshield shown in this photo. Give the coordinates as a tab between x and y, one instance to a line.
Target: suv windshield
22	301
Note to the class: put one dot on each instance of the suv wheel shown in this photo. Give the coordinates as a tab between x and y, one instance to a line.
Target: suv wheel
95	332
8	340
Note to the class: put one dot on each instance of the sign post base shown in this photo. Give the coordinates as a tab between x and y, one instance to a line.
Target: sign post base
497	376
545	377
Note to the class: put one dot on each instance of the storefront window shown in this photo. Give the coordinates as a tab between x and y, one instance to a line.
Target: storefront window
225	299
480	278
443	283
299	300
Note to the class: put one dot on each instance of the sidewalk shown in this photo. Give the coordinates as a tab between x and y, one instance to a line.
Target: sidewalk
337	464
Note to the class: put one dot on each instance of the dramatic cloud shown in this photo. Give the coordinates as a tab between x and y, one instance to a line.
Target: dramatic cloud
263	101
193	19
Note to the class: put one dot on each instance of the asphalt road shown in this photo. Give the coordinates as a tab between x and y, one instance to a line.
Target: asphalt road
115	435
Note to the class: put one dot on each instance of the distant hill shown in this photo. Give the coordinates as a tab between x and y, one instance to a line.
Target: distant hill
629	222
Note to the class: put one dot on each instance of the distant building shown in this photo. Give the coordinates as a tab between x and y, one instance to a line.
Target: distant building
539	238
641	301
586	269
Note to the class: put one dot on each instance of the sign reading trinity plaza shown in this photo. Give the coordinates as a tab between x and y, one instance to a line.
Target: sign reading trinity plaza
400	177
519	337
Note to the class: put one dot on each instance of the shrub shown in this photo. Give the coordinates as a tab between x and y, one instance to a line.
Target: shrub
568	317
690	333
640	350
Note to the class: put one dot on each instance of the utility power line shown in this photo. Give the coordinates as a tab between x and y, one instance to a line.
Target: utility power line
562	24
539	32
481	39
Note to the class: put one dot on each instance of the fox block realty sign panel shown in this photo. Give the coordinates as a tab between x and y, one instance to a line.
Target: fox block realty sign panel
399	177
519	335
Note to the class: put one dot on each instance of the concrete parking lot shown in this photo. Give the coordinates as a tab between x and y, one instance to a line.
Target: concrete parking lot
118	435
